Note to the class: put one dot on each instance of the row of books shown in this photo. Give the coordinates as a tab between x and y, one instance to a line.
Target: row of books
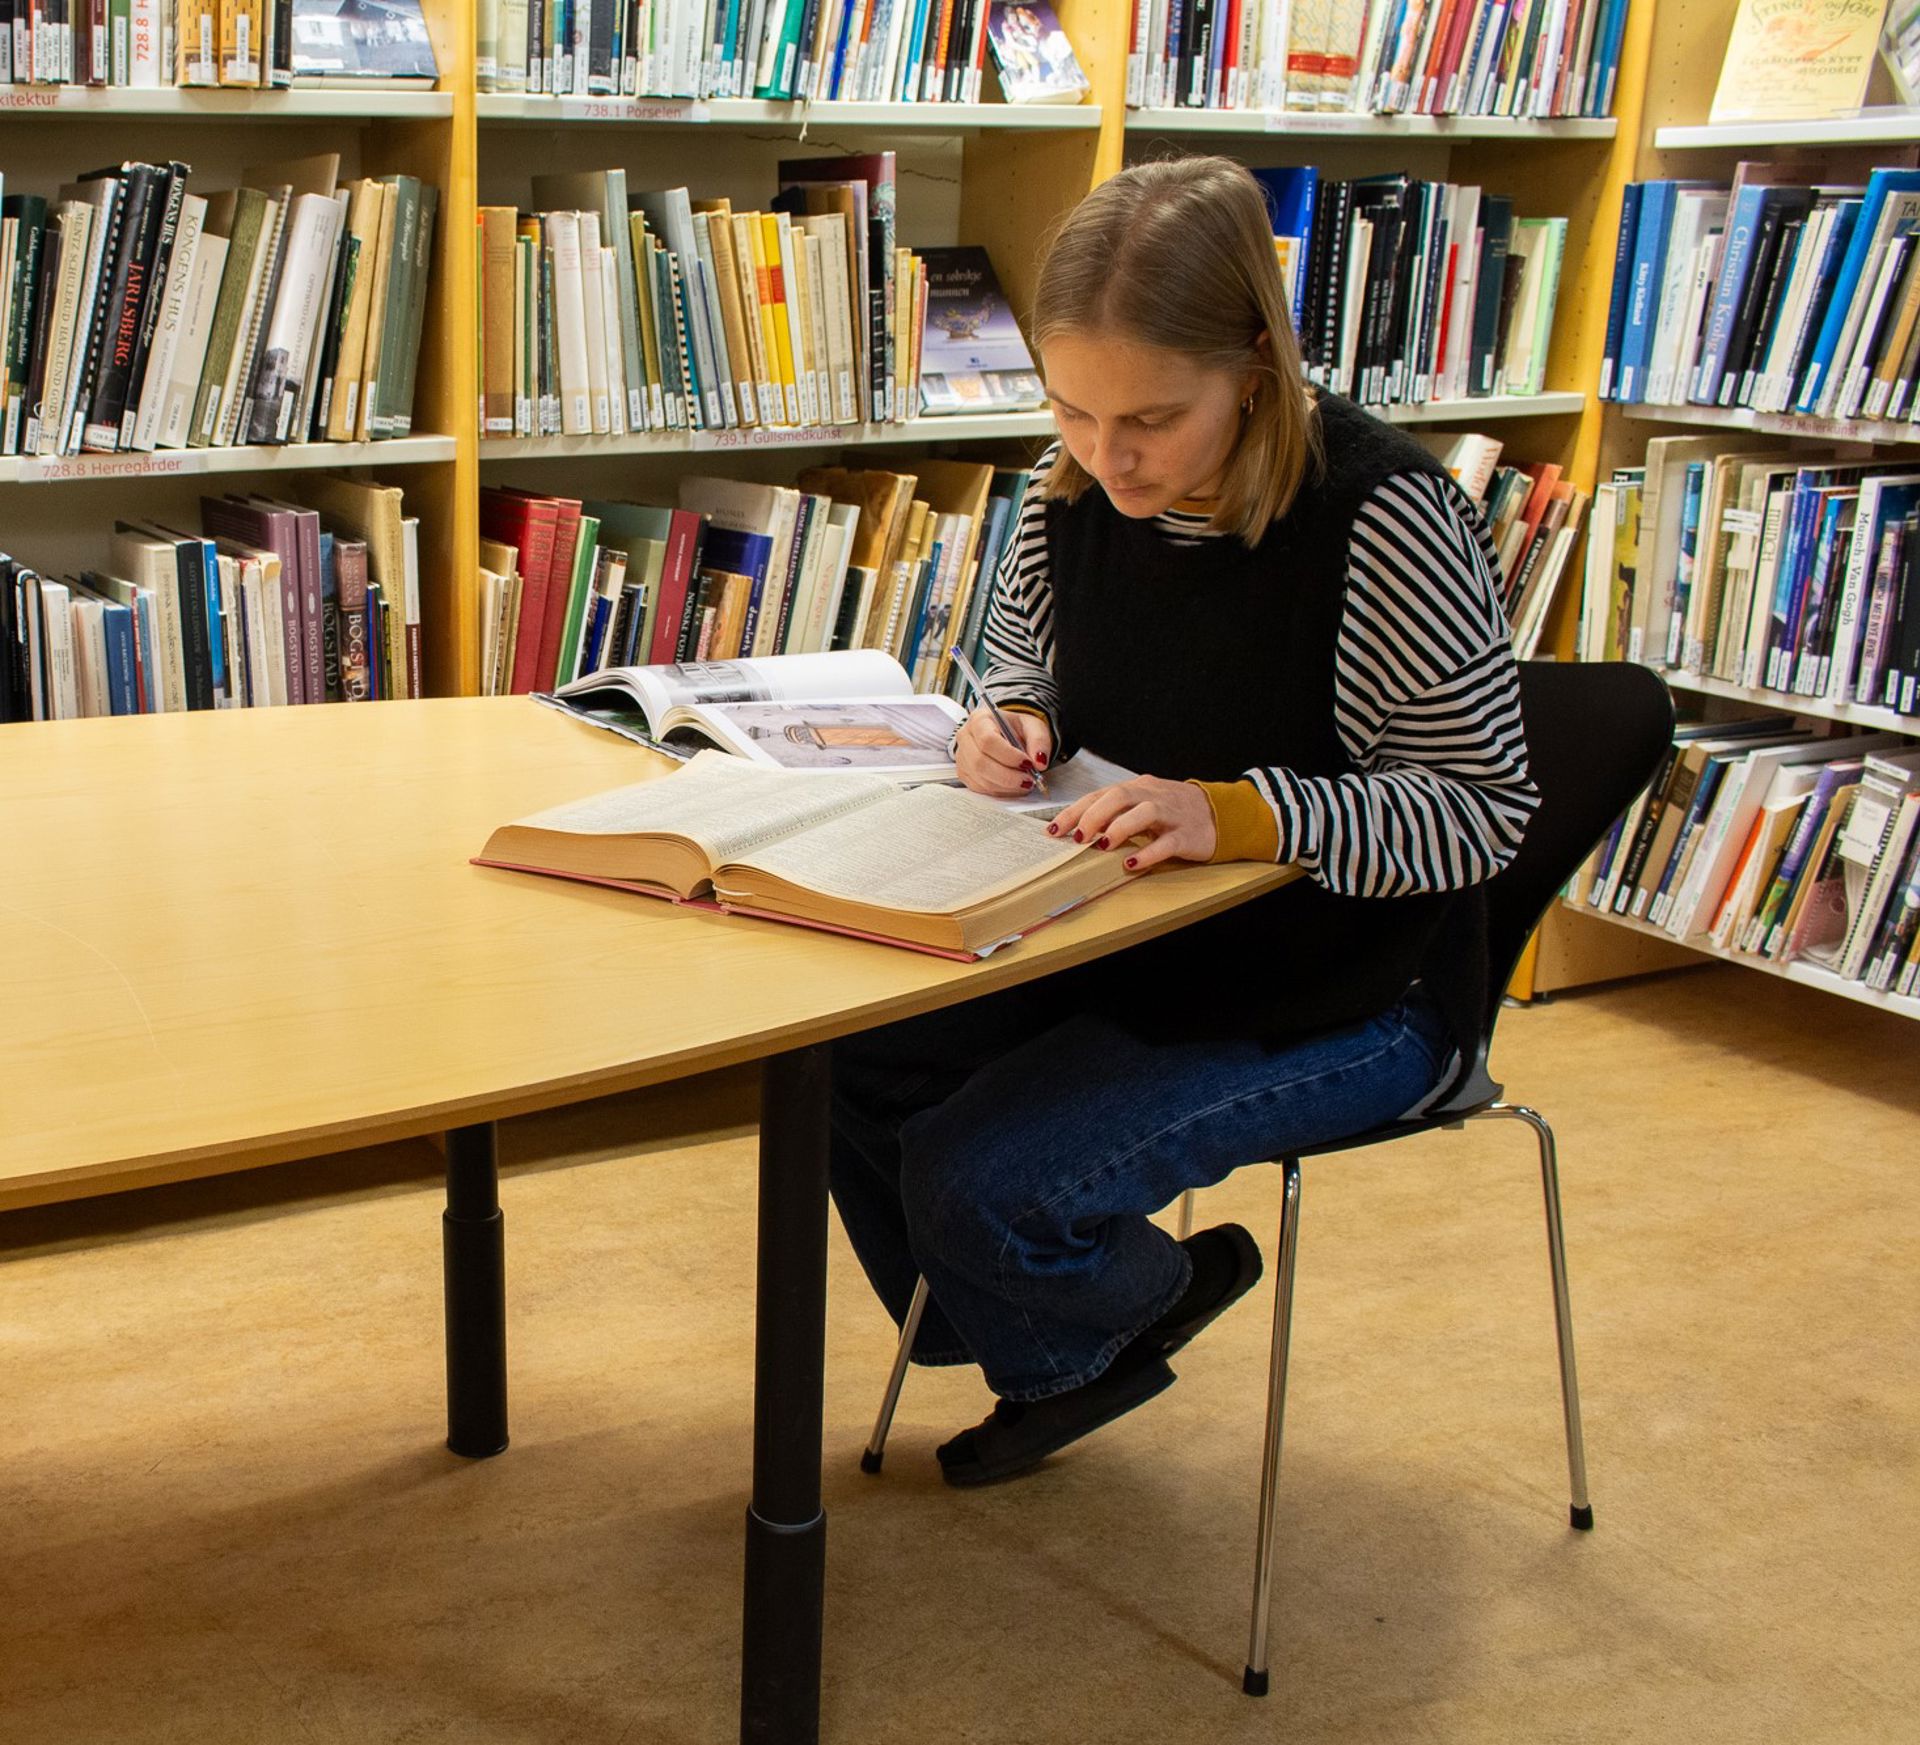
1531	58
604	316
138	315
271	44
1535	516
1764	840
873	51
844	558
1792	572
1406	291
271	602
1771	293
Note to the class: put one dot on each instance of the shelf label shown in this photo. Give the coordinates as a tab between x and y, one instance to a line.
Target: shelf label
776	436
99	466
1292	121
29	97
640	109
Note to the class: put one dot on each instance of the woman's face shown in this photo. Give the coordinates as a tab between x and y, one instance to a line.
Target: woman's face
1149	424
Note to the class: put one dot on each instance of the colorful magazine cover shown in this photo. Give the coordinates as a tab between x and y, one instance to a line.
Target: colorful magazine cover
974	358
1032	55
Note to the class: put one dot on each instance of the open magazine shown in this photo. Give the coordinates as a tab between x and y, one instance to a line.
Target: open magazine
848	711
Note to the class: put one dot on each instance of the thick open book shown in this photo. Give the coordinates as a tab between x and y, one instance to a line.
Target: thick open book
932	866
854	709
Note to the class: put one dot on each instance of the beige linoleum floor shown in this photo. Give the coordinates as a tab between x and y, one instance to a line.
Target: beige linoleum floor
226	1516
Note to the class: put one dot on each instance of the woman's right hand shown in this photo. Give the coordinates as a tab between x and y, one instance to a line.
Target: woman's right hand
989	765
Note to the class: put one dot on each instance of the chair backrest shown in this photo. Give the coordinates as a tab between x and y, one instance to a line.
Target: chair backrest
1595	735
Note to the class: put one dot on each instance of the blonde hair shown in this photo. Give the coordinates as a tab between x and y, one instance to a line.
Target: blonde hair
1179	255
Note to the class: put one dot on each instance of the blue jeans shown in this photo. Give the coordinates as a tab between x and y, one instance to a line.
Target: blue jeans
1010	1149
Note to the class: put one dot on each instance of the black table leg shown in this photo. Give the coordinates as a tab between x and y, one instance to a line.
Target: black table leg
786	1527
474	1249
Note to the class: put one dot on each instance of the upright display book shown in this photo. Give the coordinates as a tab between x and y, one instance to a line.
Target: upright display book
974	358
1797	60
930	867
1032	55
354	43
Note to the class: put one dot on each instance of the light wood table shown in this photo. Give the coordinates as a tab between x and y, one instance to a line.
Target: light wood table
242	937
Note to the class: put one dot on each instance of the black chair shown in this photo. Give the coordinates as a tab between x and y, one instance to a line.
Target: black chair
1594	736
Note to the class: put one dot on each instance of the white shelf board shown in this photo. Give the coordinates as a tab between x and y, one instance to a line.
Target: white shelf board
982	428
1809	975
81	101
1423	127
1493	406
754	112
177	463
1890	127
1853	714
1874	430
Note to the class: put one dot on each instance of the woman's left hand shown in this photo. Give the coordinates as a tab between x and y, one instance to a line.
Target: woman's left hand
1173	816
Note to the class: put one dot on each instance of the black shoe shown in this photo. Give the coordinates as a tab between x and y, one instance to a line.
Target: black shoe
1019	1434
1226	1265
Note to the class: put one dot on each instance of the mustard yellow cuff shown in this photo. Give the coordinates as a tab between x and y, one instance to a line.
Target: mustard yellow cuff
1243	822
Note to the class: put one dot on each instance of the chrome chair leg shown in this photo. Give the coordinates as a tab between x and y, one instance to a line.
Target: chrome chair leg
1183	1219
876	1447
1255	1681
1580	1510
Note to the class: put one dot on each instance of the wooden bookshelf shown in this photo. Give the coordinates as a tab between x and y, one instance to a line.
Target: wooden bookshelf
178	463
1882	127
1666	137
1424	129
1814	708
428	134
1878	431
788	117
1808	975
81	103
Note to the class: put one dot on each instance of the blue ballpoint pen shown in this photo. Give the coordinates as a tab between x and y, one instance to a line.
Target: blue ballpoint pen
1000	720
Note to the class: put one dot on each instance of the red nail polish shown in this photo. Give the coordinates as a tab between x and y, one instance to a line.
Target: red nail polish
1053	829
1102	843
1078	837
1024	786
1027	768
1131	863
1043	760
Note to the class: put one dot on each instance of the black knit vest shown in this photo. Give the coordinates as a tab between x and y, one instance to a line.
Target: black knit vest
1206	660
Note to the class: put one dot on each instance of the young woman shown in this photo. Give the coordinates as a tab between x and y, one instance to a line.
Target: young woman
1286	616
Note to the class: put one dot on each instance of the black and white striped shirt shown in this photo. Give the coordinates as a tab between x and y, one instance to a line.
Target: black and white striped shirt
1426	696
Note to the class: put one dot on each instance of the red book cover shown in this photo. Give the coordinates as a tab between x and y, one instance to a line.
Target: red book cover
676	575
526	524
1426	88
566	539
1457	39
